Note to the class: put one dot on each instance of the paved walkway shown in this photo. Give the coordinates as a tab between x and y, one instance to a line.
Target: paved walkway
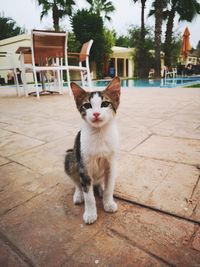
158	188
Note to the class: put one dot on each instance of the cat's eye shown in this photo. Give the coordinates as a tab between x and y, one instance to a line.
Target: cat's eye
87	105
105	104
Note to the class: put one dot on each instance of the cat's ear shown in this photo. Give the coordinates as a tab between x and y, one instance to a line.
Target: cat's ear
79	93
113	91
114	86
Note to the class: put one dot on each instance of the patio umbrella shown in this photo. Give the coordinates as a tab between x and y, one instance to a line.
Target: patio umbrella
186	43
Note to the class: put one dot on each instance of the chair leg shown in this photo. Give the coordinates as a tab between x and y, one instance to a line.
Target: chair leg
16	83
68	82
89	80
59	81
82	79
61	84
24	82
88	74
36	85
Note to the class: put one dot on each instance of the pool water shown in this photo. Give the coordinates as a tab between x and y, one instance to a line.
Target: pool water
166	83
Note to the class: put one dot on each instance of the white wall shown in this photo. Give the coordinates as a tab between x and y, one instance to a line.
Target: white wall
11	45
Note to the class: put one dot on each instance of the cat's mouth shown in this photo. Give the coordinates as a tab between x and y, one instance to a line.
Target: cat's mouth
96	120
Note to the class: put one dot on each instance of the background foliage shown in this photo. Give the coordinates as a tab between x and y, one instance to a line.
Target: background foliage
88	26
9	28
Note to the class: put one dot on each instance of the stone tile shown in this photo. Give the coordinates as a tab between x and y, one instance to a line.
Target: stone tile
130	138
194	201
9	258
44	131
184	116
3	161
170	148
196	241
163	185
176	192
8	119
2	125
4	133
192	109
19	184
185	129
137	122
49	228
138	177
15	143
164	237
47	158
107	249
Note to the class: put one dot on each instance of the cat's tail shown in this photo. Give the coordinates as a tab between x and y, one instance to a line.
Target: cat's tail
69	161
69	150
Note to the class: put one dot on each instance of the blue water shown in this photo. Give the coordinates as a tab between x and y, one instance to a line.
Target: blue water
166	83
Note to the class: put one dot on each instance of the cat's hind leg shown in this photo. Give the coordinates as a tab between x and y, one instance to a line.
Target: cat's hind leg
99	189
78	195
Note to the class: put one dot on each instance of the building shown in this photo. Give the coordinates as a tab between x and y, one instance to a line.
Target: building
10	45
122	61
192	58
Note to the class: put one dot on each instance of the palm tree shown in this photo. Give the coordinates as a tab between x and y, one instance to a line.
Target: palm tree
141	51
187	10
59	9
100	7
9	28
158	31
143	3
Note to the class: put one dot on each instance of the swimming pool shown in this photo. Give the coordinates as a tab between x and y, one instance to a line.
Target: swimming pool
165	83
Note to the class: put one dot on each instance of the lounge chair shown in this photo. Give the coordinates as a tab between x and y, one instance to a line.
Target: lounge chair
83	57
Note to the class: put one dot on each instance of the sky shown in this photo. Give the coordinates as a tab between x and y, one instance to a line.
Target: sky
27	14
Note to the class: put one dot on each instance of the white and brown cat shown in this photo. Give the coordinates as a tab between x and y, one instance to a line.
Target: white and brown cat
92	161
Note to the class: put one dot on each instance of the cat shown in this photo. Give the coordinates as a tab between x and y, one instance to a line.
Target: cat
92	161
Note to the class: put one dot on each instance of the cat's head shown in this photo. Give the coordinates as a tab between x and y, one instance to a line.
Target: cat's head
97	108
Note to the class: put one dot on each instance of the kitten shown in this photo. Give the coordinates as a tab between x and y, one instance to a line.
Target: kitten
92	161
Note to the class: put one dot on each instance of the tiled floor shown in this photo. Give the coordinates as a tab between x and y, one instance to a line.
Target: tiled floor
157	189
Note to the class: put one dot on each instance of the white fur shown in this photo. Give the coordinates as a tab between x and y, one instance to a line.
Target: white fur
106	113
78	195
99	147
90	214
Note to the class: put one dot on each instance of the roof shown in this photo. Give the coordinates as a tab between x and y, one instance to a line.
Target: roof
122	52
193	53
120	49
15	39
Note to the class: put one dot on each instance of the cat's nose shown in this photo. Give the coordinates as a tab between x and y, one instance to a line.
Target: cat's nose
96	114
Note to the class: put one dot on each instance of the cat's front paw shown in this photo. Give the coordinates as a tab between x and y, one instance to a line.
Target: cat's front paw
110	206
89	218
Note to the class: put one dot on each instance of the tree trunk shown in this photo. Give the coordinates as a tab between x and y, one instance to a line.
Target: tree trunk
56	18
168	37
142	34
158	32
142	62
106	65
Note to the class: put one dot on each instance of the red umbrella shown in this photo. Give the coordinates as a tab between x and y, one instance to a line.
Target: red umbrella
186	43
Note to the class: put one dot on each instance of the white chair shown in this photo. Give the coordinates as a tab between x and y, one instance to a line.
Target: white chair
48	49
10	66
83	58
171	73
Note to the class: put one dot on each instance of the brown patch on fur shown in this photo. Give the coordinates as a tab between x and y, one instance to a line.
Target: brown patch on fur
80	95
112	92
